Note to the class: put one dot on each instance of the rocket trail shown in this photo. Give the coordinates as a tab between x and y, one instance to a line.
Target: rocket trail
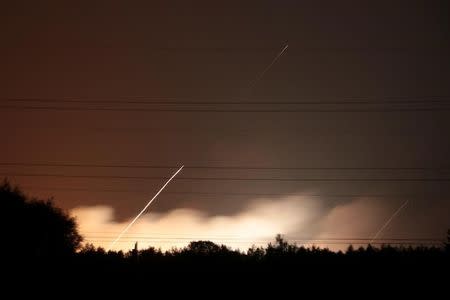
389	220
268	67
143	210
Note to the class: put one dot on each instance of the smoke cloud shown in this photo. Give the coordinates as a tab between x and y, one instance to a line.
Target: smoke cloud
257	224
301	219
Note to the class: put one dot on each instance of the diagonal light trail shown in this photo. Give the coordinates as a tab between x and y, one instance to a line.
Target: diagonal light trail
389	220
260	76
143	210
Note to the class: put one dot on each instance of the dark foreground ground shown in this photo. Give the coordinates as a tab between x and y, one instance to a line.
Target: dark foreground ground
423	274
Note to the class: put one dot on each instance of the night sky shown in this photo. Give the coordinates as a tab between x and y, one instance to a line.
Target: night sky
351	121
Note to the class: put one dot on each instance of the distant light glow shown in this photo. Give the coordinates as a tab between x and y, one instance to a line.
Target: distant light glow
257	224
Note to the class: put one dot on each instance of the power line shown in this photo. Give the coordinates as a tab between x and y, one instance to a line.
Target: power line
234	194
234	101
337	241
283	131
229	178
237	237
312	241
419	243
148	166
146	110
298	49
269	241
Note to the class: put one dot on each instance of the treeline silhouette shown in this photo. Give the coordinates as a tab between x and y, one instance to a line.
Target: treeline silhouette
280	252
41	236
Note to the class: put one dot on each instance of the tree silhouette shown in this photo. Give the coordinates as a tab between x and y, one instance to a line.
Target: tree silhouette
447	244
203	248
34	227
256	252
280	247
281	243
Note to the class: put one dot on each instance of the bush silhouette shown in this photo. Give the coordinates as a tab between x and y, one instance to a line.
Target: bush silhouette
203	248
36	228
447	243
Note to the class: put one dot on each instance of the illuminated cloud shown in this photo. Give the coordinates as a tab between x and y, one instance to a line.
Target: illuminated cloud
302	220
358	219
257	224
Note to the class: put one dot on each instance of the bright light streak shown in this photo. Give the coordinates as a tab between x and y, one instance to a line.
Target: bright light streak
143	210
389	220
268	67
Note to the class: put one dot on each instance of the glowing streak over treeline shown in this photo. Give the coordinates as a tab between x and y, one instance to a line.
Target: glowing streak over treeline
389	220
268	67
146	206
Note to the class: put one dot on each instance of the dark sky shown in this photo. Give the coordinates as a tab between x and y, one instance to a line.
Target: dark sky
187	51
